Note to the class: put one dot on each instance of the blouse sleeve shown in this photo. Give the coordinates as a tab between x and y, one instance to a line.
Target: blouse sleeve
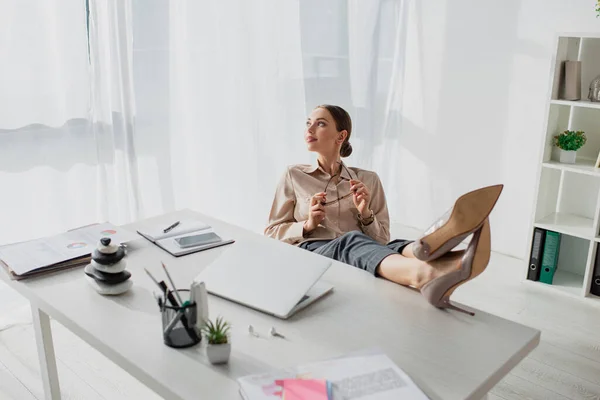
379	227
282	225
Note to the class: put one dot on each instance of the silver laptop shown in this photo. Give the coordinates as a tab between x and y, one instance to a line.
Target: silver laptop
278	279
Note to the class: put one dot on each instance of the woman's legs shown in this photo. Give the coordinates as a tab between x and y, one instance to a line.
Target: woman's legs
408	251
407	270
395	262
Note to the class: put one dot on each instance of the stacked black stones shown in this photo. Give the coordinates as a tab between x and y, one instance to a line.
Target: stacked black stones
106	273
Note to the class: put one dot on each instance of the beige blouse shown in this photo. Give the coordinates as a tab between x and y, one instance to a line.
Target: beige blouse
292	203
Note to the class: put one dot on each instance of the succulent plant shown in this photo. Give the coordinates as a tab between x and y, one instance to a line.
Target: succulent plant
216	332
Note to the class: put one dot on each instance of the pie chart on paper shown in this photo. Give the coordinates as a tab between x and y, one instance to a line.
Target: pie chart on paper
76	245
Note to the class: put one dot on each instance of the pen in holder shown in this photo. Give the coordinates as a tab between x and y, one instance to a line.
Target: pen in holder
179	321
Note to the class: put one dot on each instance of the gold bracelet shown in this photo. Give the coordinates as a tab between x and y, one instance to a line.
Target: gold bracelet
368	220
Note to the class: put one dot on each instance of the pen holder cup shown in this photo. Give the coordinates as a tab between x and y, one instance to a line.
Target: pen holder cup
179	322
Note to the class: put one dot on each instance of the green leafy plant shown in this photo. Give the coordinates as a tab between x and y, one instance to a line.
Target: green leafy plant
597	8
570	140
216	333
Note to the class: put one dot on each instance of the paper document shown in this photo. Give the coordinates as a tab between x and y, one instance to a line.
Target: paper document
27	256
373	377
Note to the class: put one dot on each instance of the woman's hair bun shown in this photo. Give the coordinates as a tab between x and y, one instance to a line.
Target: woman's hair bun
346	149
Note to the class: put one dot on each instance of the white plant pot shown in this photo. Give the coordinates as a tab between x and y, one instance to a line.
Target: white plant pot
567	156
218	353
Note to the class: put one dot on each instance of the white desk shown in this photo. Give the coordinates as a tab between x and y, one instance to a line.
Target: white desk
450	355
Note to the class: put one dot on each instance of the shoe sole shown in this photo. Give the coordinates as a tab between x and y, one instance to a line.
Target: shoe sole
469	213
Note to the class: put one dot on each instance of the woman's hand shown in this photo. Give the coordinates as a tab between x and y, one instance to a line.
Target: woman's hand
316	213
361	197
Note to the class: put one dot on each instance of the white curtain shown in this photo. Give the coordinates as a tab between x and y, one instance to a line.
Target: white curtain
232	83
184	104
66	116
113	108
237	104
47	155
43	74
354	56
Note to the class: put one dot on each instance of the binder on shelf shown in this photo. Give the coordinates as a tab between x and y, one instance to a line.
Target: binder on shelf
537	250
595	288
550	256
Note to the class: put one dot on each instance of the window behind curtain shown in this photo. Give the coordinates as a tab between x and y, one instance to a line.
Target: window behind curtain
48	154
44	69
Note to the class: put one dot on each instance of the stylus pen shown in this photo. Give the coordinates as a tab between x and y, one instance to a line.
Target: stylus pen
171	227
153	278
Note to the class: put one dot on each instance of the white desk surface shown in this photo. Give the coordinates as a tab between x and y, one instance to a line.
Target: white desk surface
450	355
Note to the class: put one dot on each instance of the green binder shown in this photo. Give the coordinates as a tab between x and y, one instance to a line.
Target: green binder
550	257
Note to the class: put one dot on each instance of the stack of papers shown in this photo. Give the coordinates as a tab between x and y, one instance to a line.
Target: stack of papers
184	228
370	376
66	250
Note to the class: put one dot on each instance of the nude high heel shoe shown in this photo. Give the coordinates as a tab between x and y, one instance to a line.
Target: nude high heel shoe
465	217
474	261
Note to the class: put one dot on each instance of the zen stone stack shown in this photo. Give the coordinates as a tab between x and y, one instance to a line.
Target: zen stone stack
106	273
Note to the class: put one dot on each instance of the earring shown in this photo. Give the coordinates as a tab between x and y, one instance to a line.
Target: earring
251	331
273	332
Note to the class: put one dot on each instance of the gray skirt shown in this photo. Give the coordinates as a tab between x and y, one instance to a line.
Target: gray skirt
356	249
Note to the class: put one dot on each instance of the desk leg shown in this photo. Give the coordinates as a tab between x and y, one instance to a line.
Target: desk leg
45	347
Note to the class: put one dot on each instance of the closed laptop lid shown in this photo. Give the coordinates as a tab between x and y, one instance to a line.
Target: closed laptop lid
269	276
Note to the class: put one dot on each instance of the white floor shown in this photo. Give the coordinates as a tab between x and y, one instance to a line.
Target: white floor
566	365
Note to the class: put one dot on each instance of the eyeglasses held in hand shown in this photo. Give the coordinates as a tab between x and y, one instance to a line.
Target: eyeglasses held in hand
330	179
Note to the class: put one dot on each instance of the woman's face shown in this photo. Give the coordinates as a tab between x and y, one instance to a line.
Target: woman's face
321	134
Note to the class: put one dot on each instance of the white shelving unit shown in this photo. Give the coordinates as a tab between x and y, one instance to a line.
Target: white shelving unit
567	198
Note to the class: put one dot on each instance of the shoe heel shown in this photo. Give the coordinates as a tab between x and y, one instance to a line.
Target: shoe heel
445	303
473	263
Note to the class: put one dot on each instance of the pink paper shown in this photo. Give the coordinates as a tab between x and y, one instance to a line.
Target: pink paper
303	389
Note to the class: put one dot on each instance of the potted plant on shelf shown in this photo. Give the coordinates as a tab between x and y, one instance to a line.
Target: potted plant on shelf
568	143
218	348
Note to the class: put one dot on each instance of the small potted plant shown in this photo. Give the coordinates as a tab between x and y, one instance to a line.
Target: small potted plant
218	348
598	9
568	143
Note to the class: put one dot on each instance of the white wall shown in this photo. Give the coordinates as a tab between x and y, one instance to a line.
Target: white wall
476	85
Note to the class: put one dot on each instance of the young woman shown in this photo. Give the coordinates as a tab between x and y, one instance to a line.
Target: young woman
341	213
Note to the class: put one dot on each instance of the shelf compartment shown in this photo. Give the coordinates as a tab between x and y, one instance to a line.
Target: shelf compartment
547	198
569	276
579	195
566	281
568	224
587	120
576	119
